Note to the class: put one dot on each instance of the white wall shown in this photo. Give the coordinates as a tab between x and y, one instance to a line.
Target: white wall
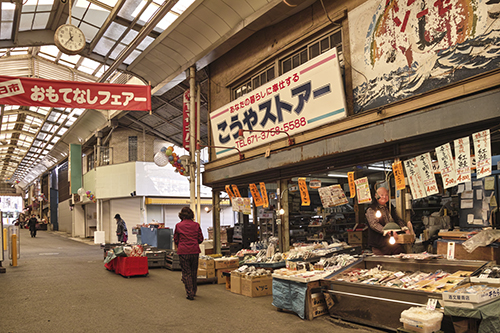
152	180
115	181
64	217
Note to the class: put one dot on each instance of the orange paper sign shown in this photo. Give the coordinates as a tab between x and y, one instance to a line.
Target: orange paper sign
397	168
352	186
236	191
264	194
229	192
256	195
304	193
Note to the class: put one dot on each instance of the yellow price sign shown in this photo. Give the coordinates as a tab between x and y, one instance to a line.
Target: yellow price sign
304	193
397	168
236	192
264	194
256	195
352	186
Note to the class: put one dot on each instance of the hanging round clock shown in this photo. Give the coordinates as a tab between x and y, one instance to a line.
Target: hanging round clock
69	39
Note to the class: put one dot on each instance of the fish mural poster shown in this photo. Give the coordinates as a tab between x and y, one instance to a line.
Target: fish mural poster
404	48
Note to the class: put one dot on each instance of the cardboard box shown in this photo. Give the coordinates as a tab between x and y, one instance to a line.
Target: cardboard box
206	273
317	299
235	282
227	263
320	310
485	296
256	286
221	279
357	237
406	239
206	263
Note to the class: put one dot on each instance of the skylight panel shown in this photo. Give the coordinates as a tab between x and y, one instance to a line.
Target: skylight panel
182	5
166	21
26	22
72	59
40	21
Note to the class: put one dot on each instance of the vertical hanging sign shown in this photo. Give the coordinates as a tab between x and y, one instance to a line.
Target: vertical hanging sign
424	163
363	190
482	148
236	192
446	165
352	186
264	194
416	186
229	192
462	159
185	119
304	193
257	199
397	168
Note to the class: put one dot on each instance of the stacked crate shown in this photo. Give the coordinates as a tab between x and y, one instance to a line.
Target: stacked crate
172	260
156	258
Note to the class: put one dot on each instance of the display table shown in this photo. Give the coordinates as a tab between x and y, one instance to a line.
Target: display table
488	314
129	266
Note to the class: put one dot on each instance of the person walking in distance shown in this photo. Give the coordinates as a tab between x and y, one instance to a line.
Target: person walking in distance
32	225
121	229
187	237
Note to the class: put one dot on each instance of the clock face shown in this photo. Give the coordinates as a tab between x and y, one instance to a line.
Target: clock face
69	39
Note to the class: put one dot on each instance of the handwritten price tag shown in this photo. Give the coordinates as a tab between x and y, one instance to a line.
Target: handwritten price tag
431	304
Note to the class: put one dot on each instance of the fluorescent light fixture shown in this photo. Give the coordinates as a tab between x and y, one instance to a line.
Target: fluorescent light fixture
378	169
337	175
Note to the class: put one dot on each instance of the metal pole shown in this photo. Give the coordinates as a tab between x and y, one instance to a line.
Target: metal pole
198	153
192	137
14	250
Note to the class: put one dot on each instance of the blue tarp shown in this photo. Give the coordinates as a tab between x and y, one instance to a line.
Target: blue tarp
290	295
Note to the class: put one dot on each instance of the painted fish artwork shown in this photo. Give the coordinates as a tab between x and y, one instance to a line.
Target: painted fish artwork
408	47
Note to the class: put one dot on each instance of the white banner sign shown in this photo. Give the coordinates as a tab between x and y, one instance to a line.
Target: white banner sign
424	163
462	159
306	97
482	148
416	185
446	165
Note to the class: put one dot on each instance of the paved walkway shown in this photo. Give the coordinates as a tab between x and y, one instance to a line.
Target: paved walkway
61	285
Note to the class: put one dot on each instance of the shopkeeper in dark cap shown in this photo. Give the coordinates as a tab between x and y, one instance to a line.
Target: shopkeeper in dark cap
121	229
378	215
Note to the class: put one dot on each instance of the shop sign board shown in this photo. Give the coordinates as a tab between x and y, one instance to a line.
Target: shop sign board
332	196
446	165
186	119
307	97
74	94
397	168
263	191
424	163
363	190
462	159
416	185
304	193
482	149
256	195
352	186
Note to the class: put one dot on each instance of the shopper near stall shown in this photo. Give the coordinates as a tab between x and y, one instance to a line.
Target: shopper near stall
378	215
187	237
121	229
32	225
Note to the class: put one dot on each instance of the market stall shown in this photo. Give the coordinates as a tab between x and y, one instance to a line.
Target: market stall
378	289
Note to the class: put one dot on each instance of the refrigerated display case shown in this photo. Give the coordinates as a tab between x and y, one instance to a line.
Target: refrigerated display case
381	306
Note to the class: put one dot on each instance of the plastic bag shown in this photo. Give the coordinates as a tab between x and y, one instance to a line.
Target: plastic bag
483	238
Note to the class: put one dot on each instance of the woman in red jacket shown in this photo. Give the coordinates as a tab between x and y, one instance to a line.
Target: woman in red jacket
187	237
